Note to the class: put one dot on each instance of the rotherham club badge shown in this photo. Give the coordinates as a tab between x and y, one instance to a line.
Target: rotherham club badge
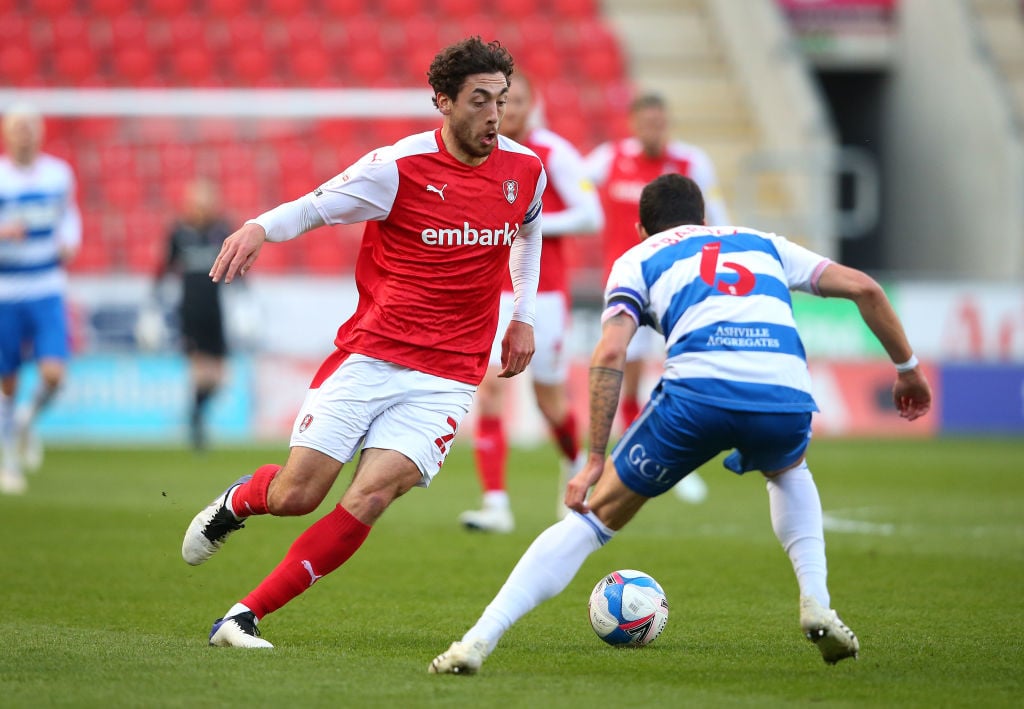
306	420
511	189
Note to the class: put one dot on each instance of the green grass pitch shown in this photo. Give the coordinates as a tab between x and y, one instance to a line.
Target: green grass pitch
925	547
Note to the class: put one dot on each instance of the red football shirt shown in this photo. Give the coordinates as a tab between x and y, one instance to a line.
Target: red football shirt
621	170
435	250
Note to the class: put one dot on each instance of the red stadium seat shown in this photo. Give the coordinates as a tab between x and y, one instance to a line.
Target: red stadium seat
53	8
169	8
75	65
126	29
285	8
253	66
66	29
399	8
480	25
111	8
194	66
311	66
343	8
226	8
245	31
122	192
575	9
517	9
304	30
598	66
19	65
134	65
457	9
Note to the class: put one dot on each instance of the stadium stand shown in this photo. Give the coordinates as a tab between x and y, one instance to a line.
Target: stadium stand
132	168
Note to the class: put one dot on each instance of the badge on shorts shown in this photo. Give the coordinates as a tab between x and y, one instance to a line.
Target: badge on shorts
306	420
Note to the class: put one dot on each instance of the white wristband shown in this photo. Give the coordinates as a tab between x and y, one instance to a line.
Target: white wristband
908	365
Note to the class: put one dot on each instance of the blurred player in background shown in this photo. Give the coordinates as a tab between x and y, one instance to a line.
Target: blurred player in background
448	213
736	377
192	246
571	206
40	231
621	169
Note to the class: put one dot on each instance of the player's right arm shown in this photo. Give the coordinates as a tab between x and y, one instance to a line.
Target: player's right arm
240	250
911	393
363	192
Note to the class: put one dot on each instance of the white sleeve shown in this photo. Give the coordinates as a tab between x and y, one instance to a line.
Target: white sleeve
599	162
802	266
626	290
703	173
69	231
582	213
364	192
524	259
286	221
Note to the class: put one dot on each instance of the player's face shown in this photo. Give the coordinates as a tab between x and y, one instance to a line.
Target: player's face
23	138
470	129
650	126
517	111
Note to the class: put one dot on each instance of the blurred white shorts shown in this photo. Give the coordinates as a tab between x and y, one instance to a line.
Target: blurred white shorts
383	405
646	344
550	363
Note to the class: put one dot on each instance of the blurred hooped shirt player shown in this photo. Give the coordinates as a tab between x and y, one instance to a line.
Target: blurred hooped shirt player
447	213
40	232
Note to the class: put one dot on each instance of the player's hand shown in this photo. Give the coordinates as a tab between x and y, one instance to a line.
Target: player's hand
912	395
580	483
238	253
12	231
516	349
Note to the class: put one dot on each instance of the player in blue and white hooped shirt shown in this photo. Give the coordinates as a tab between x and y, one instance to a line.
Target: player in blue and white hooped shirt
40	231
735	378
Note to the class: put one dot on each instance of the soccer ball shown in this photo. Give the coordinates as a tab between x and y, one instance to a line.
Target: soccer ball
628	608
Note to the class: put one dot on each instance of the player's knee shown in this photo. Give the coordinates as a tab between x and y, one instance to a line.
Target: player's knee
292	500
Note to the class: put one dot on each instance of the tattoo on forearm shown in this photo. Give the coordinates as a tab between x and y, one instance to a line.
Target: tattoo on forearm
605	385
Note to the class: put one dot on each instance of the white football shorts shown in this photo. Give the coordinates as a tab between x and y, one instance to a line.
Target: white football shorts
383	405
550	363
646	344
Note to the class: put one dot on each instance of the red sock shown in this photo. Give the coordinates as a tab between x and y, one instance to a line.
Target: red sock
317	552
250	498
491	451
630	410
567	438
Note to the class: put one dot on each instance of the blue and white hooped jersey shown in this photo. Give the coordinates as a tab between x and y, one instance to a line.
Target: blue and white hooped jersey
721	298
40	198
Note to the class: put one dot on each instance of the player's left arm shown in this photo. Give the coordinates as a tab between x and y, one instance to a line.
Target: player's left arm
568	177
517	345
606	371
69	231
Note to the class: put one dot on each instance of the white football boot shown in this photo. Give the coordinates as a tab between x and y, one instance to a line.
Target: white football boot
462	658
30	446
823	628
210	528
497	520
237	631
12	482
691	489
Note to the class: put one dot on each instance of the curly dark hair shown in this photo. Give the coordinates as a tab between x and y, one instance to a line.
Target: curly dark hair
451	66
669	201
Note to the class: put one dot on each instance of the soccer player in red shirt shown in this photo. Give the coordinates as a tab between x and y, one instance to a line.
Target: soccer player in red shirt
571	206
447	213
621	169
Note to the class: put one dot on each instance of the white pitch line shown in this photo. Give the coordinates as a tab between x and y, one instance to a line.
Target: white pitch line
853	526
